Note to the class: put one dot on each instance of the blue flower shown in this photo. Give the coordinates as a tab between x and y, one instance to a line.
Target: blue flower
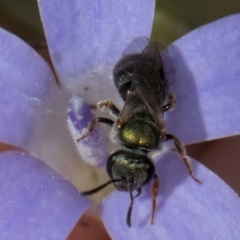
85	39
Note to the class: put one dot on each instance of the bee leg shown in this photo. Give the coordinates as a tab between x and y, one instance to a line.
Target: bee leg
130	207
182	151
155	188
93	124
171	103
139	191
109	107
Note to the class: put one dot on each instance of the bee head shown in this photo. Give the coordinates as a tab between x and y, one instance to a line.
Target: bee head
131	169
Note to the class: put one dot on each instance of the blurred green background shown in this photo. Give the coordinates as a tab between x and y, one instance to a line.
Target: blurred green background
173	18
22	18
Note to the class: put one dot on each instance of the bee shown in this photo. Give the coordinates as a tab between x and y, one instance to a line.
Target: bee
139	127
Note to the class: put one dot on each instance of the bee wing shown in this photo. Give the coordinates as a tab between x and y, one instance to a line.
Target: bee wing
136	46
133	104
152	97
153	50
143	97
146	94
158	51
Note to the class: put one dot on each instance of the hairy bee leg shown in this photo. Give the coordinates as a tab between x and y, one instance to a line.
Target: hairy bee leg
182	151
155	188
92	125
109	107
171	103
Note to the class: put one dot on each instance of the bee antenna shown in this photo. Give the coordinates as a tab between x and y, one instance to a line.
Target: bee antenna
100	187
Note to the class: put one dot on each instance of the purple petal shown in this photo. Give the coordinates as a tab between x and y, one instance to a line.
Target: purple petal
94	148
207	83
87	37
35	202
33	110
24	84
185	209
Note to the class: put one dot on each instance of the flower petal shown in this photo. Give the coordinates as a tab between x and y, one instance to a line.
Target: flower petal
87	37
33	111
207	82
185	209
35	201
24	84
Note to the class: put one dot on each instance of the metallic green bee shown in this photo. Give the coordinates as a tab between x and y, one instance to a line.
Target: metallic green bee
139	127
